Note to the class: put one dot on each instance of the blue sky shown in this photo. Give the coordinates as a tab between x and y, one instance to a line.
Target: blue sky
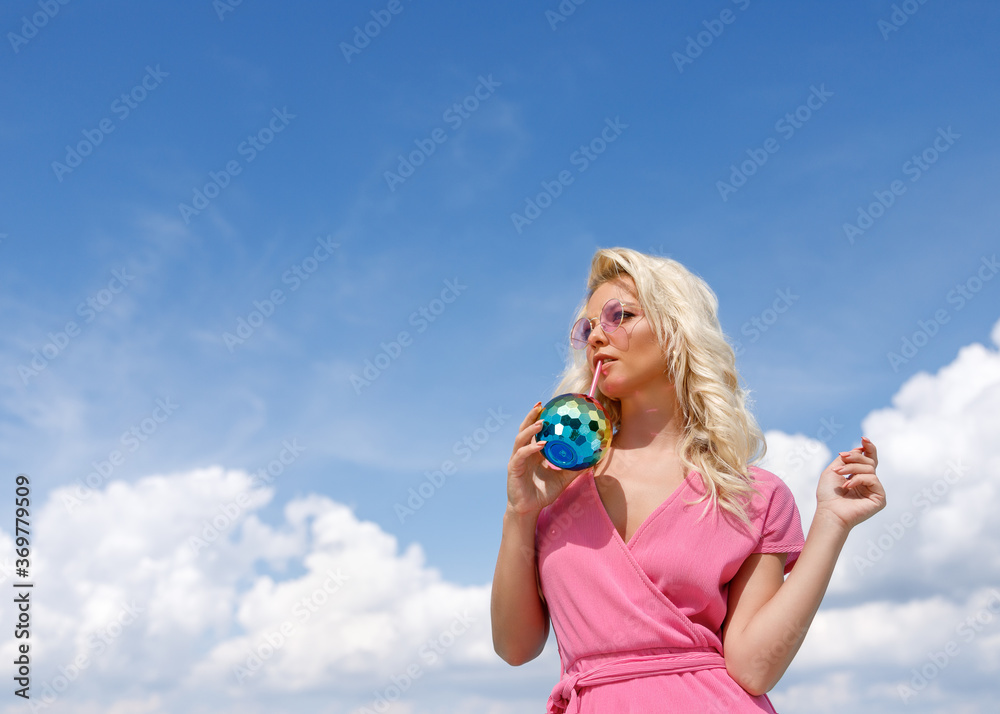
256	106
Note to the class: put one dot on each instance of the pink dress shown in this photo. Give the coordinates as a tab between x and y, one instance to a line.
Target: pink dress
639	625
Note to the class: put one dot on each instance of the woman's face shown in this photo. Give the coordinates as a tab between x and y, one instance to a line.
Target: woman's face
635	360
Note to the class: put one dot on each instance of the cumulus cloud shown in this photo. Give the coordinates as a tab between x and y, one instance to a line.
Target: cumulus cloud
939	459
925	571
172	586
929	655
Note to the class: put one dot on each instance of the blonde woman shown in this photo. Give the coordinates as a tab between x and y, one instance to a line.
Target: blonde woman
662	568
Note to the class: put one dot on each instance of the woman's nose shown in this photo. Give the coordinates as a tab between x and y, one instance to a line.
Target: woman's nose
594	338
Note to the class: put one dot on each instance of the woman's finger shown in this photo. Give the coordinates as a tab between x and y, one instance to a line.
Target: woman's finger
869	448
856	457
849	470
865	484
521	454
531	416
525	435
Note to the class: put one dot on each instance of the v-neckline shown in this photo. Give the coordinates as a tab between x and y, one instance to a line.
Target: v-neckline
642	526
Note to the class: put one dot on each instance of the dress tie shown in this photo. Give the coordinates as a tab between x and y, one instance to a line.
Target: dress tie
565	696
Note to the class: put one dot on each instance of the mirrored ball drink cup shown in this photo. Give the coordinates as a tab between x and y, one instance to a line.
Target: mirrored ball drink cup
576	431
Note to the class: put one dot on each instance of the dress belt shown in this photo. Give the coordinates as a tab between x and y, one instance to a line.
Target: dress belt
565	695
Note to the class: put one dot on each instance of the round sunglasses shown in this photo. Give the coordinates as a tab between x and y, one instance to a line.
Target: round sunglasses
612	314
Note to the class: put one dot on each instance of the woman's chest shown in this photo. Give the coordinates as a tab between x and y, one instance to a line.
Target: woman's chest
631	495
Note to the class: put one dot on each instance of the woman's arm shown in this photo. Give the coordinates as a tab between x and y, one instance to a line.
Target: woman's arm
518	613
768	618
519	617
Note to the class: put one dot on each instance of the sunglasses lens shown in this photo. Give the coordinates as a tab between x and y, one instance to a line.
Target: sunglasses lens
611	316
611	320
580	333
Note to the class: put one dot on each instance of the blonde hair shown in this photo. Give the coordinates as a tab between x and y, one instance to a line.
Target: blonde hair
721	438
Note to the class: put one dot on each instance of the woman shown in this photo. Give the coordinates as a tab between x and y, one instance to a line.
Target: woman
662	567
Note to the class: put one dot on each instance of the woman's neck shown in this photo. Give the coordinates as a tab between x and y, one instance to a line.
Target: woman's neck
650	420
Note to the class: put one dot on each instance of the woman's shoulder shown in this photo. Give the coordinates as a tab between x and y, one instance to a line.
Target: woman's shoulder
777	516
769	485
765	478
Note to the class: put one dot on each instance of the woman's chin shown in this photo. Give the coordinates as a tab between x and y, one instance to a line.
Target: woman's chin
619	387
611	388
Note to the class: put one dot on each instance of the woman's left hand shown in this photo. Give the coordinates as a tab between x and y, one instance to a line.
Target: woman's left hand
849	489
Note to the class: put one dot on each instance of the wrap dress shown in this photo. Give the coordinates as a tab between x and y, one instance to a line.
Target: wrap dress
639	625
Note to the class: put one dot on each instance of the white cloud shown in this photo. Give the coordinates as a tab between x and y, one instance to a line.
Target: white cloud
897	633
940	463
922	573
939	460
165	593
884	656
829	692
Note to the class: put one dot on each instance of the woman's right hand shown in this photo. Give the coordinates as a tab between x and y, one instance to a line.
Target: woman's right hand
533	482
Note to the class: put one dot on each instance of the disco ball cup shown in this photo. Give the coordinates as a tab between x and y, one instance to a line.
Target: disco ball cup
576	431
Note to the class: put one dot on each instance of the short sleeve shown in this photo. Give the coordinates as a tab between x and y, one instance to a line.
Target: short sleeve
780	525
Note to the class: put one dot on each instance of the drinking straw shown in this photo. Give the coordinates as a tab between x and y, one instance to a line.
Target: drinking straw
597	372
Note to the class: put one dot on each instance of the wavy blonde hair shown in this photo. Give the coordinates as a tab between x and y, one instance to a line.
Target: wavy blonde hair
721	438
